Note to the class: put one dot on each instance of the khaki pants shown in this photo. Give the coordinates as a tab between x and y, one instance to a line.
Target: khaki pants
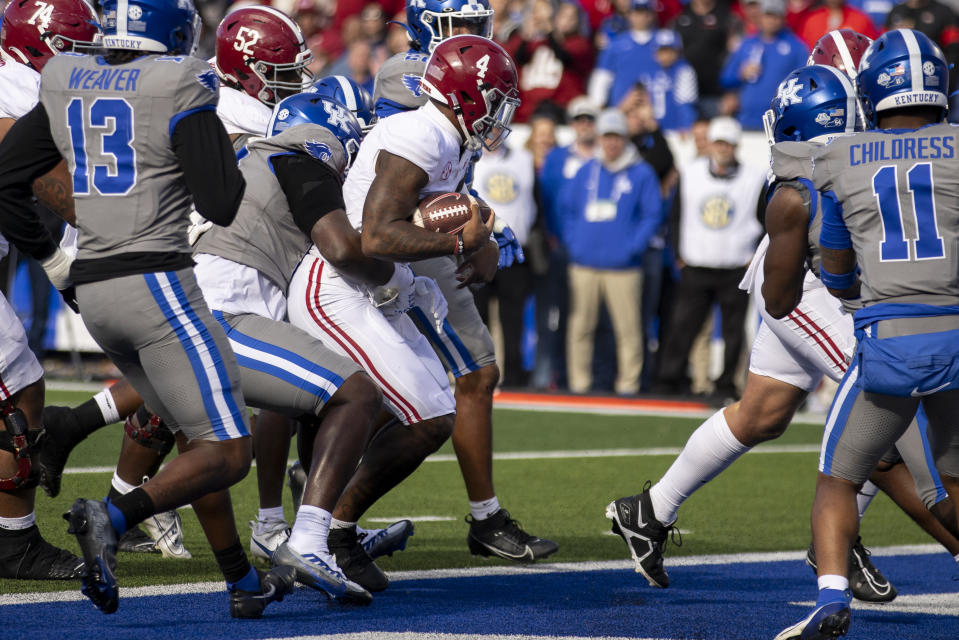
622	293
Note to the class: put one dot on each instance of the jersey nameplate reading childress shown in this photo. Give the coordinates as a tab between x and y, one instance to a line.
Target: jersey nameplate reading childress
921	148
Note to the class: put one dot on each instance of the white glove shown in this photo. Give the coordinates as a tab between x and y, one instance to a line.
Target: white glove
429	299
396	296
57	267
198	226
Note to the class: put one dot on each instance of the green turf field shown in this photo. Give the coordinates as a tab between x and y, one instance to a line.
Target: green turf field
760	504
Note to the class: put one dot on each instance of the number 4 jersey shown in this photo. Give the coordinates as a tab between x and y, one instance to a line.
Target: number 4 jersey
893	196
113	124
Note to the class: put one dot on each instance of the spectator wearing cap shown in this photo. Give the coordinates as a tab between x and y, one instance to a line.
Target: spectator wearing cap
671	84
628	55
715	229
611	210
706	28
554	59
559	167
835	14
759	64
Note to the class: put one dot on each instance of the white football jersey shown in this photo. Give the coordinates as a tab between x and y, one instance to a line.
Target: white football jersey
19	88
424	137
241	113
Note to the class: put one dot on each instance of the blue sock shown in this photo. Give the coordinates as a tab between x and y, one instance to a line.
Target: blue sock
827	596
249	582
117	518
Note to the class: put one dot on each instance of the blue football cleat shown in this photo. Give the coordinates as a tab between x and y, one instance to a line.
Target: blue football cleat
827	621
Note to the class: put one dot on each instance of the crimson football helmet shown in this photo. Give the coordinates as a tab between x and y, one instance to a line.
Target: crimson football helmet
842	49
263	51
475	78
33	31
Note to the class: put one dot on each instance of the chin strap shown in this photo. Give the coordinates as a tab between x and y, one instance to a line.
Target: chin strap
18	440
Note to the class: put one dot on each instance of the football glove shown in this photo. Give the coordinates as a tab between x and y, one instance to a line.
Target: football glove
510	250
396	297
430	300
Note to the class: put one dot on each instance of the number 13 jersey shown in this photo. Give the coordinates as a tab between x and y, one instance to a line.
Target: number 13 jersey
898	207
114	124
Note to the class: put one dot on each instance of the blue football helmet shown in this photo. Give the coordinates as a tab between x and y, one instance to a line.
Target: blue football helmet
313	108
155	26
345	91
432	21
813	104
902	68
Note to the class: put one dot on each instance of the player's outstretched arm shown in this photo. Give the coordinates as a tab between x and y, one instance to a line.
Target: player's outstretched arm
787	223
208	161
391	200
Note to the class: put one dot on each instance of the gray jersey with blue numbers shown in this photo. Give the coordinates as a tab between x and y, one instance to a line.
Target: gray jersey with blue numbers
264	235
398	80
792	166
113	124
899	199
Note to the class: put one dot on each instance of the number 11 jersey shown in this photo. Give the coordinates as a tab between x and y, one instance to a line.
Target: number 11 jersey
898	207
114	125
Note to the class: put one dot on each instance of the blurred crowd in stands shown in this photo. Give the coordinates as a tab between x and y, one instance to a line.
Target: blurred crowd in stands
627	253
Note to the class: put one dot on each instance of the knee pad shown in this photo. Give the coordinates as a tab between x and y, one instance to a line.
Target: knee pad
148	429
22	442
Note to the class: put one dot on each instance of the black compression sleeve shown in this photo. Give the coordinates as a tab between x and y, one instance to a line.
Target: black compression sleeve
209	166
26	153
312	188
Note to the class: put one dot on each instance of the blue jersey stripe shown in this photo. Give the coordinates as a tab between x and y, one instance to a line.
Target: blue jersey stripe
435	338
460	347
851	382
219	368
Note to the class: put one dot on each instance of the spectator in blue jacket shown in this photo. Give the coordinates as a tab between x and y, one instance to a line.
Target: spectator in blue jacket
628	56
671	85
612	209
761	62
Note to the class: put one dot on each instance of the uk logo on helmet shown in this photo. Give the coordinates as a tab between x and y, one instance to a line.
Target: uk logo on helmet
789	94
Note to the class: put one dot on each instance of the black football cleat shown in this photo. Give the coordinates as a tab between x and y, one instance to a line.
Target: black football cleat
90	523
136	540
354	562
275	585
634	522
866	582
501	536
25	555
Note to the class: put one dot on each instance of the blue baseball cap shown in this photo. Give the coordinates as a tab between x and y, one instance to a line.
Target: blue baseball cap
668	39
646	5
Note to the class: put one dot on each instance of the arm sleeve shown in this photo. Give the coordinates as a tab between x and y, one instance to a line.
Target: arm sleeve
600	82
209	166
834	234
729	76
26	153
650	208
312	188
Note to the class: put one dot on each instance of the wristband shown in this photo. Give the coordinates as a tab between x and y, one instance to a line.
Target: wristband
460	245
838	281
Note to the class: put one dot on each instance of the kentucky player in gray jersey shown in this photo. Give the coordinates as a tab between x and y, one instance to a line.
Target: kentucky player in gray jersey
888	209
293	197
464	345
138	129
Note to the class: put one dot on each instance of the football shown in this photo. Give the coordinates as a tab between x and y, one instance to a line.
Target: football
448	212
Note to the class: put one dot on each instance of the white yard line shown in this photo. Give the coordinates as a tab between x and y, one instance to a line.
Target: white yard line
563	454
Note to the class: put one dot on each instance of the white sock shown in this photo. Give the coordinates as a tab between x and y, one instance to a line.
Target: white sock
708	452
340	524
18	524
122	485
833	582
108	407
484	508
272	513
311	529
865	496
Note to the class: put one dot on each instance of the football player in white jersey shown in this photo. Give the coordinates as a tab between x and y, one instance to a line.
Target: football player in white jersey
32	32
401	160
463	342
